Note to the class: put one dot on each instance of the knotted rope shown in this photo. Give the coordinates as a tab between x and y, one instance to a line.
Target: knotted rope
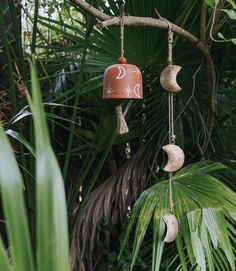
122	127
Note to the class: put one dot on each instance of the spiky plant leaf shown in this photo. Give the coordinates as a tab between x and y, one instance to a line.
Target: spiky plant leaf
11	184
51	204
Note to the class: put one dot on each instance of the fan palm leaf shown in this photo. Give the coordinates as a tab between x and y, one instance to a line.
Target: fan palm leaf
201	204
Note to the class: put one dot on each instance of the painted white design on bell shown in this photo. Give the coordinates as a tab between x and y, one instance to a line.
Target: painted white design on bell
128	90
137	72
109	90
122	72
136	90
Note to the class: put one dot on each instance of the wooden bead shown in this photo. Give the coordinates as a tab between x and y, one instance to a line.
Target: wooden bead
122	60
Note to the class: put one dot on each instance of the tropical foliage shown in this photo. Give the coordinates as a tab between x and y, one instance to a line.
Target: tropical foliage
52	251
115	191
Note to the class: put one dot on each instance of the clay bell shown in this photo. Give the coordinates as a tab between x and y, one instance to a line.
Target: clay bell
122	81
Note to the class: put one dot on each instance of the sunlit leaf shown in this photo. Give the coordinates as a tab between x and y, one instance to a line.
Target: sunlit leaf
231	13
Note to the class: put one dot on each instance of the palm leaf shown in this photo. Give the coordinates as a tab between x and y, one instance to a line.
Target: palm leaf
205	200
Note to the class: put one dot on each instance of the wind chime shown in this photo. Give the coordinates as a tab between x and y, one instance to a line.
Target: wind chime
175	154
122	82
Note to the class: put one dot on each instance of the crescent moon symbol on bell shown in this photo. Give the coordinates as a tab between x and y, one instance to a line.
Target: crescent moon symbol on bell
136	90
122	72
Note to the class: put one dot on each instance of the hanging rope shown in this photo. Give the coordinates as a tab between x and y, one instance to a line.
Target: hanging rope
171	111
122	29
122	127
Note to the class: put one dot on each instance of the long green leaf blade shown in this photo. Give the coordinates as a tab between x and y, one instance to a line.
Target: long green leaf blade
51	203
13	205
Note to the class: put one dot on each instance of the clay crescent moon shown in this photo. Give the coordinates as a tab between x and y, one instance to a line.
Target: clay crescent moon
172	228
168	78
176	157
122	72
136	90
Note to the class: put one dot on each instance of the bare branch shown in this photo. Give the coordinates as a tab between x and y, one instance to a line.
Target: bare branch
92	10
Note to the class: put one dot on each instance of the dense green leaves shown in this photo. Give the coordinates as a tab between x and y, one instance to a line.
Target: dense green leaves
52	233
51	203
95	152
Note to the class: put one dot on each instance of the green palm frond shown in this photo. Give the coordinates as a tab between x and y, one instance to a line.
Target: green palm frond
202	205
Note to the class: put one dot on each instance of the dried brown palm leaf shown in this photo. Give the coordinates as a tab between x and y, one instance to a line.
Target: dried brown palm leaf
110	200
5	106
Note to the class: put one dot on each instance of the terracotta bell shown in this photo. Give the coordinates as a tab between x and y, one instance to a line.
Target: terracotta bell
122	81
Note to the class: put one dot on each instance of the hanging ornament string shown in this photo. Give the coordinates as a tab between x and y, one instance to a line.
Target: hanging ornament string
122	127
171	112
122	29
175	153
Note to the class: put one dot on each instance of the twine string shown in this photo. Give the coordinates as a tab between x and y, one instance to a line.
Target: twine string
122	127
122	28
171	111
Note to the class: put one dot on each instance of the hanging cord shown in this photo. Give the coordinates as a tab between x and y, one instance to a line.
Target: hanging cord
171	111
122	29
122	127
170	105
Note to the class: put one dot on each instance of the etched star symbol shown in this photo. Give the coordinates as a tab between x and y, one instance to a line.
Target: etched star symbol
109	90
137	72
128	90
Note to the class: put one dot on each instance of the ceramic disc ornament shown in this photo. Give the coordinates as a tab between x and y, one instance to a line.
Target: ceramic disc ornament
122	81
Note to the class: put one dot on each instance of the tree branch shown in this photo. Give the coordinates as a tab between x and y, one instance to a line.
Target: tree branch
92	10
107	20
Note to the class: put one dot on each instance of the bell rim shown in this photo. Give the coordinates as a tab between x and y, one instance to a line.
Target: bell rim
125	98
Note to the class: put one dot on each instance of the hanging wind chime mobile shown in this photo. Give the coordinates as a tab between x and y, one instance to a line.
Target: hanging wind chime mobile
175	154
122	82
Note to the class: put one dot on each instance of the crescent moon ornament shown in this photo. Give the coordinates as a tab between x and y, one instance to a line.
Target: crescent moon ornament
168	78
176	157
172	228
122	72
